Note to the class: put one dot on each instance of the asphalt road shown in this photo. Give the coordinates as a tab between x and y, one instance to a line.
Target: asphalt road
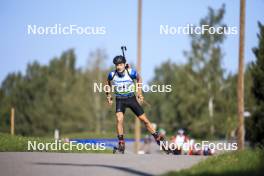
55	164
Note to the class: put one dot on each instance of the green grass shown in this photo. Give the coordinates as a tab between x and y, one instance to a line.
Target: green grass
9	143
248	162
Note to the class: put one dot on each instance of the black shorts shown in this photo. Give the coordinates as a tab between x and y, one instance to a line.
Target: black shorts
130	102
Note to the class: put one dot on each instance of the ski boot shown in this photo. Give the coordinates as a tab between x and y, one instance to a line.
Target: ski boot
120	149
160	138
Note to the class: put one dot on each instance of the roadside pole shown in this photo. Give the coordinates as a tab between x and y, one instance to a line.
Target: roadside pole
240	83
139	33
12	121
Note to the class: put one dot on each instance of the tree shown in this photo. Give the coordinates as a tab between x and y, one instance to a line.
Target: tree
256	124
204	63
203	98
57	95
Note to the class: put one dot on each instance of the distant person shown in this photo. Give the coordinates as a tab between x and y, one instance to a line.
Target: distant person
179	140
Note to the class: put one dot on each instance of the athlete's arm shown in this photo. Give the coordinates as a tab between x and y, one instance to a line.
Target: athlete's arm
108	91
139	88
139	84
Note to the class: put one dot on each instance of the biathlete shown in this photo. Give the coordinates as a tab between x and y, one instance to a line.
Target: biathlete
123	80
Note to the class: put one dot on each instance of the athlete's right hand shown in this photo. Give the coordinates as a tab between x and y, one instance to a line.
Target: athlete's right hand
109	100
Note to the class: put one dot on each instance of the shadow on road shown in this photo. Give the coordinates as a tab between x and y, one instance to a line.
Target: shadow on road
125	169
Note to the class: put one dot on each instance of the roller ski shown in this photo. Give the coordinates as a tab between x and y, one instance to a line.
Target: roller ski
120	149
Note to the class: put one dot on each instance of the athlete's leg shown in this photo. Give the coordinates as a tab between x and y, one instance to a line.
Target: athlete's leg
120	111
120	130
120	123
157	136
138	110
147	123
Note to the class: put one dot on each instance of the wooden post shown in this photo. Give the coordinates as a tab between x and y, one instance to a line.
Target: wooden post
139	32
12	121
240	83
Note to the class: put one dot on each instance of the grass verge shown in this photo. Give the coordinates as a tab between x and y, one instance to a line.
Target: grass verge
9	143
239	163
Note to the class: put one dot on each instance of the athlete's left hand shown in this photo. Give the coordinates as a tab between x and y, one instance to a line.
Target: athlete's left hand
140	98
